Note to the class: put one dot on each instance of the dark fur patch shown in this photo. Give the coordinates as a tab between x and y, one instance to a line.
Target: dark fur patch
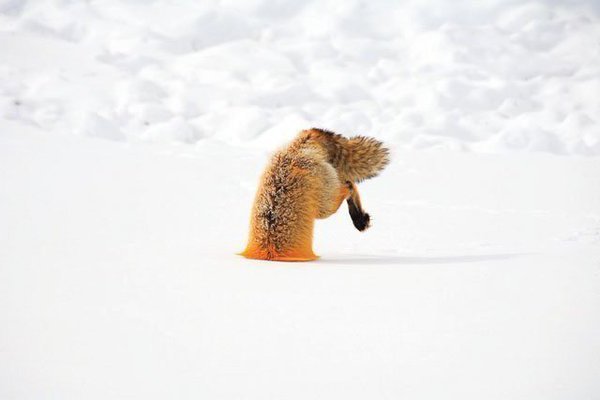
325	131
360	219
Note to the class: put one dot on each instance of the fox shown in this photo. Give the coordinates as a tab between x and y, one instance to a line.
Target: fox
306	180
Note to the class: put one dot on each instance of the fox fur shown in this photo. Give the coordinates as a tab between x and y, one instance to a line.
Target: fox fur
306	180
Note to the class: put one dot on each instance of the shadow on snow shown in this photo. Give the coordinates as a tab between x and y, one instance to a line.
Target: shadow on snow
406	260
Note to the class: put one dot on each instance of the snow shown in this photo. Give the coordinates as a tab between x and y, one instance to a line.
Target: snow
501	77
480	278
132	136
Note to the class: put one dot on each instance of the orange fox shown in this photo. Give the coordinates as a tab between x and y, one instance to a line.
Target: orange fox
309	179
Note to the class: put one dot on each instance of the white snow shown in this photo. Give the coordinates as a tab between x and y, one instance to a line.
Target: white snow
480	278
504	76
132	136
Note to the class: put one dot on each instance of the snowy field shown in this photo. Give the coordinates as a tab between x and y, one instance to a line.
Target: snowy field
132	136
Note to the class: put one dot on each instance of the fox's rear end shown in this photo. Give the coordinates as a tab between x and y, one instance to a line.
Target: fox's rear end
309	179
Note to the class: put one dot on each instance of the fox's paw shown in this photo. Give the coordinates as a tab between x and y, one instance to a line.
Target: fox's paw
361	221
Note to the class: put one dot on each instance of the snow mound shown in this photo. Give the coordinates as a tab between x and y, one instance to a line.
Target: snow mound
505	76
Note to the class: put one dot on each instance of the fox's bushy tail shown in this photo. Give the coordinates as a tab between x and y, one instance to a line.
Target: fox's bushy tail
363	158
355	159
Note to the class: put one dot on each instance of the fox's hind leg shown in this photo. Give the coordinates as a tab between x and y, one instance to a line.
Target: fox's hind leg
332	200
360	218
332	192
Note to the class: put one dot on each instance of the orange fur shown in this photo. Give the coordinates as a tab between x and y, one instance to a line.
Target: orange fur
306	180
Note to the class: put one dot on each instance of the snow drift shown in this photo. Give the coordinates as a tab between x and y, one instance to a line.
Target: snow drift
503	76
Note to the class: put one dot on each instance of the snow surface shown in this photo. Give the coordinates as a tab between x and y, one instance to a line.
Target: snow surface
132	136
480	278
503	76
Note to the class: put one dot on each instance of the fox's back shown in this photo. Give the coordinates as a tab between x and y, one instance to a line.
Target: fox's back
286	201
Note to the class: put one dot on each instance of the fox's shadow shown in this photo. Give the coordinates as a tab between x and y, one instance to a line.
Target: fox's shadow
407	260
